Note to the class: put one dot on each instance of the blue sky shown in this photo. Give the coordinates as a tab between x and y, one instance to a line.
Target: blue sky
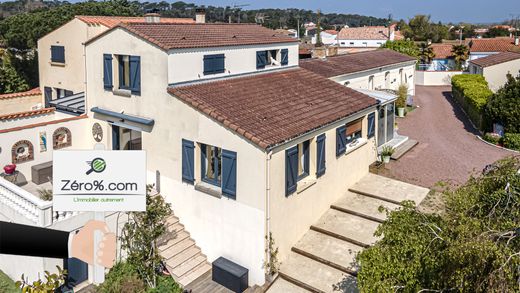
443	10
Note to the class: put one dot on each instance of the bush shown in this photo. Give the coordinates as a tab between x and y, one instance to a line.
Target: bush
122	277
503	107
492	138
165	284
402	95
473	93
512	141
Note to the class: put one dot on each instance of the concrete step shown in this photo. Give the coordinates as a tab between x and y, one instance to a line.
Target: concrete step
363	206
177	227
403	149
196	273
329	250
175	238
172	220
390	190
189	265
284	286
178	248
344	226
315	276
182	257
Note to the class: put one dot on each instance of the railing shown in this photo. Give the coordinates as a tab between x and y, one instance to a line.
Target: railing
21	206
434	67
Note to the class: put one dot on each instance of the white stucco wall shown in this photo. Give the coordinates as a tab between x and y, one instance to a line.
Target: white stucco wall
361	43
435	78
476	55
496	75
188	64
19	104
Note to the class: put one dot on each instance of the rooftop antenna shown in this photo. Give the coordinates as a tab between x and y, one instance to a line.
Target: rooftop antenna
236	9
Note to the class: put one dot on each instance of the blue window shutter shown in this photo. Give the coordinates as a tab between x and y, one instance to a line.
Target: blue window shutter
261	59
320	160
188	161
208	64
48	96
115	137
107	71
229	174
285	56
291	170
371	125
58	54
135	74
341	140
214	64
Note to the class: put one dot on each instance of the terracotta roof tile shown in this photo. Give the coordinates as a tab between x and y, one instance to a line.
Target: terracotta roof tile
34	92
492	45
355	62
442	51
271	108
111	21
176	36
496	59
363	33
25	114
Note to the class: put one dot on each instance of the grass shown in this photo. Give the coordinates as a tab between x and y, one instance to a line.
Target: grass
7	285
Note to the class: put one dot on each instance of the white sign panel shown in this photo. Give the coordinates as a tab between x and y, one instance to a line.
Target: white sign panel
98	181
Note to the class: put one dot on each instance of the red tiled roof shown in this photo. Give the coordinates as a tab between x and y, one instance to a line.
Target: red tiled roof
111	21
33	92
492	45
271	108
332	32
25	114
176	36
442	51
496	59
364	33
355	62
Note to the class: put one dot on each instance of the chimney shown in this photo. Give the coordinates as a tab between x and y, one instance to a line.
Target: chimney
152	18
200	15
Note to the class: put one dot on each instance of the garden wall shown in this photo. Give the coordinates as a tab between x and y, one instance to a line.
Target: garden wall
435	78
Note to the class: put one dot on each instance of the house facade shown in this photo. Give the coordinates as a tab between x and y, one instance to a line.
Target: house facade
479	48
367	37
495	68
328	37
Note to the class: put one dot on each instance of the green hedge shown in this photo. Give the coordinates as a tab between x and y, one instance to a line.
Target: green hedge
512	141
472	92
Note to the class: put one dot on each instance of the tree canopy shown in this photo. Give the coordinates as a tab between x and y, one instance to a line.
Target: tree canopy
473	245
407	47
503	107
421	28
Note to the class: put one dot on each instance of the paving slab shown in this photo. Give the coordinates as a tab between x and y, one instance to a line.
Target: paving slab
363	206
332	251
284	286
349	227
389	189
403	149
315	275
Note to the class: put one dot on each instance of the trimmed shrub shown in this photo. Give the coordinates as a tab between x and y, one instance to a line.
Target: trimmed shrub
512	141
473	93
492	138
504	106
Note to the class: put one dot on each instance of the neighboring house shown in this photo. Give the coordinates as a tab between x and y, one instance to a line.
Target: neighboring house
495	68
328	37
246	143
371	72
61	57
479	48
443	60
21	101
287	32
367	37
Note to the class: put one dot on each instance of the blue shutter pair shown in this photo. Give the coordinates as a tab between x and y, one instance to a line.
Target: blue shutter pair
58	54
214	64
285	56
371	125
135	75
48	96
261	59
341	140
188	161
291	170
320	161
107	71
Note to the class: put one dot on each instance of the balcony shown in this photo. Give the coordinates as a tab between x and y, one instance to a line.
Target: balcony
19	205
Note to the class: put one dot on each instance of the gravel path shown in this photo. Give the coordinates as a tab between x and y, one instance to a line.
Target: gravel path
448	149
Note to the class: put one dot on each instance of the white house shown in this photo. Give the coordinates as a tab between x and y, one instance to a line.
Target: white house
479	48
328	37
495	68
367	36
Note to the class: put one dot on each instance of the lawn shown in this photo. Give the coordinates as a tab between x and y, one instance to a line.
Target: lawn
7	285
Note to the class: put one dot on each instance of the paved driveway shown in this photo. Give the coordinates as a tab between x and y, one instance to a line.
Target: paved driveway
448	148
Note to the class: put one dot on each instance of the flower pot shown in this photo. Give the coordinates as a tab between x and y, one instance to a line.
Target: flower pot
400	112
9	169
386	159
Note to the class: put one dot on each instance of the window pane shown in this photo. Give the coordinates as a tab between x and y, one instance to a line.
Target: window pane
218	163
301	160
210	169
126	71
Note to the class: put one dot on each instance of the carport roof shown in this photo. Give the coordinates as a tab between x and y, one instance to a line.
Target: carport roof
269	109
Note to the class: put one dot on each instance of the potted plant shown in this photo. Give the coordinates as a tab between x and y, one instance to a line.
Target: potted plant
386	153
402	94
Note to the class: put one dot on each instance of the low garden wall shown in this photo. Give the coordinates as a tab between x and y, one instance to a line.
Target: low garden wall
472	92
435	78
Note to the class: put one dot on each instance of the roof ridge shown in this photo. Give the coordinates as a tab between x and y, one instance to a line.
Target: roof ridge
29	113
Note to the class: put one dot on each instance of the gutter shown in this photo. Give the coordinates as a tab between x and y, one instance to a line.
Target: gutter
268	205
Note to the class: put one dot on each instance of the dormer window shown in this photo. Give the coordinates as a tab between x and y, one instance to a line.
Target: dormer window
272	58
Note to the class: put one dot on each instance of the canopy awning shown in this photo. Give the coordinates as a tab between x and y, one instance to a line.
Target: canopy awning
72	104
121	119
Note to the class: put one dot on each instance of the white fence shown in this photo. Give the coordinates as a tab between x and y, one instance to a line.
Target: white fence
435	77
21	206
